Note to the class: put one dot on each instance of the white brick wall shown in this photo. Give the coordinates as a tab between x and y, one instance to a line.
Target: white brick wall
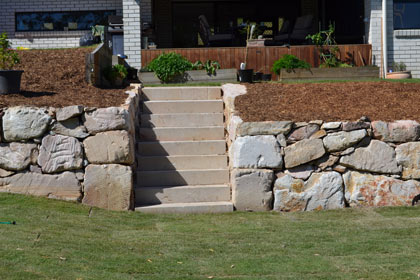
403	45
132	32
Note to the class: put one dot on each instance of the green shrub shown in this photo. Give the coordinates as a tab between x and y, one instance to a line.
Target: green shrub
115	72
399	67
169	67
289	62
210	66
8	57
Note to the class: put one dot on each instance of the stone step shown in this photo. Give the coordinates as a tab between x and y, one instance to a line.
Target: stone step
182	177
181	93
182	120
183	106
188	208
174	148
182	133
182	162
182	194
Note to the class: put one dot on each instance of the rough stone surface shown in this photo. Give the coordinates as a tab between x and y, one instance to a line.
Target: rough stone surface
70	127
60	153
349	126
371	190
327	161
232	127
303	132
397	132
408	156
301	172
108	186
17	156
68	112
104	119
264	128
256	152
5	173
303	151
230	92
321	191
109	147
342	140
24	123
251	189
63	186
282	140
331	125
378	157
319	134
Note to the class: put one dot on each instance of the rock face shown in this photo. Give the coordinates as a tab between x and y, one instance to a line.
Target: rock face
5	173
69	112
110	147
104	119
378	157
303	132
349	126
321	191
342	140
63	186
17	156
398	132
256	152
108	186
371	190
331	125
24	123
60	153
301	172
70	127
264	128
408	156
303	151
251	189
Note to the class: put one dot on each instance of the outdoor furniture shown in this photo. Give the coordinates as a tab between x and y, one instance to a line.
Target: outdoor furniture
302	28
211	40
284	33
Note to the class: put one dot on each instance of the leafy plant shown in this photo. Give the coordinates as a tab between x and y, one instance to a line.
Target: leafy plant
210	66
115	72
169	67
399	67
8	57
289	62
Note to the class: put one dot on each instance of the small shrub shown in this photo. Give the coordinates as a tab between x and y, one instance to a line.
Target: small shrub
289	62
8	57
169	67
210	66
118	71
399	67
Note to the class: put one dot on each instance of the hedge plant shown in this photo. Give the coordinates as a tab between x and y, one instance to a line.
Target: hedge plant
170	67
289	62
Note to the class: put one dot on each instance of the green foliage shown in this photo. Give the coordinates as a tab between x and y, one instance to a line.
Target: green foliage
115	72
8	57
289	62
399	67
169	67
210	66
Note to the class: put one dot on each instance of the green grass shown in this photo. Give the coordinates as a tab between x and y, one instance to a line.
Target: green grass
58	240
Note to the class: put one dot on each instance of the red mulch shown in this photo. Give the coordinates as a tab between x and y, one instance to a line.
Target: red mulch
385	101
56	78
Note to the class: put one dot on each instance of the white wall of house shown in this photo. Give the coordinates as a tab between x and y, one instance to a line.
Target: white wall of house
403	45
132	32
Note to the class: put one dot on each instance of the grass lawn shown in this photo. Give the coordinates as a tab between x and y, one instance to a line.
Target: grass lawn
58	240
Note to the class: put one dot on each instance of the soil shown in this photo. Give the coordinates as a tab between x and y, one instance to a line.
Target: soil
386	101
56	78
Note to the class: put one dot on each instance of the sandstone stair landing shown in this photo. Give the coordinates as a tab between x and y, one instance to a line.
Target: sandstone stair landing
183	166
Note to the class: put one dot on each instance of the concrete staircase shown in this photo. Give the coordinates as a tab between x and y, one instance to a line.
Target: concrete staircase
182	157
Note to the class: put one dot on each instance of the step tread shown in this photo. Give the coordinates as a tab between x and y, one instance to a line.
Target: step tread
186	208
183	106
180	93
172	148
182	162
182	120
183	133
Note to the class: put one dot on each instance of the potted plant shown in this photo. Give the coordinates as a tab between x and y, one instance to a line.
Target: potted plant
9	78
244	74
399	71
116	74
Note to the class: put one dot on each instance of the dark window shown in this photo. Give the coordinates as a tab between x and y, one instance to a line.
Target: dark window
406	14
60	21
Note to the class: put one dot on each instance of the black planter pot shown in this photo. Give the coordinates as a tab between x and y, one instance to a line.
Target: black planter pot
245	76
266	77
10	81
258	76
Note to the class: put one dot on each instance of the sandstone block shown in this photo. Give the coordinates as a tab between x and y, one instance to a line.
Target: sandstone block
261	151
398	132
372	190
348	126
108	186
17	156
5	173
303	132
70	127
342	140
303	152
331	125
378	157
24	123
109	147
408	156
301	172
60	153
63	186
68	112
264	128
104	119
251	189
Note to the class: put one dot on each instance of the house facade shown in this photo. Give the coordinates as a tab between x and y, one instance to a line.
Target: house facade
173	23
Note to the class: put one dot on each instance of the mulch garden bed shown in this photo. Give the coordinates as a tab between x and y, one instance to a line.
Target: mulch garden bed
386	101
56	78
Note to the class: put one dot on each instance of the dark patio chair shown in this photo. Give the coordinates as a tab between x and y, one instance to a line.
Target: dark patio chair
212	40
302	28
284	33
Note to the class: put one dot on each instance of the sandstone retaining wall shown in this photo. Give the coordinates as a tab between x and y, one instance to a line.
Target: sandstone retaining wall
72	153
303	166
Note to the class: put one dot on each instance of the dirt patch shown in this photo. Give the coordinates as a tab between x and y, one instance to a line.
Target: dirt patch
56	78
385	101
